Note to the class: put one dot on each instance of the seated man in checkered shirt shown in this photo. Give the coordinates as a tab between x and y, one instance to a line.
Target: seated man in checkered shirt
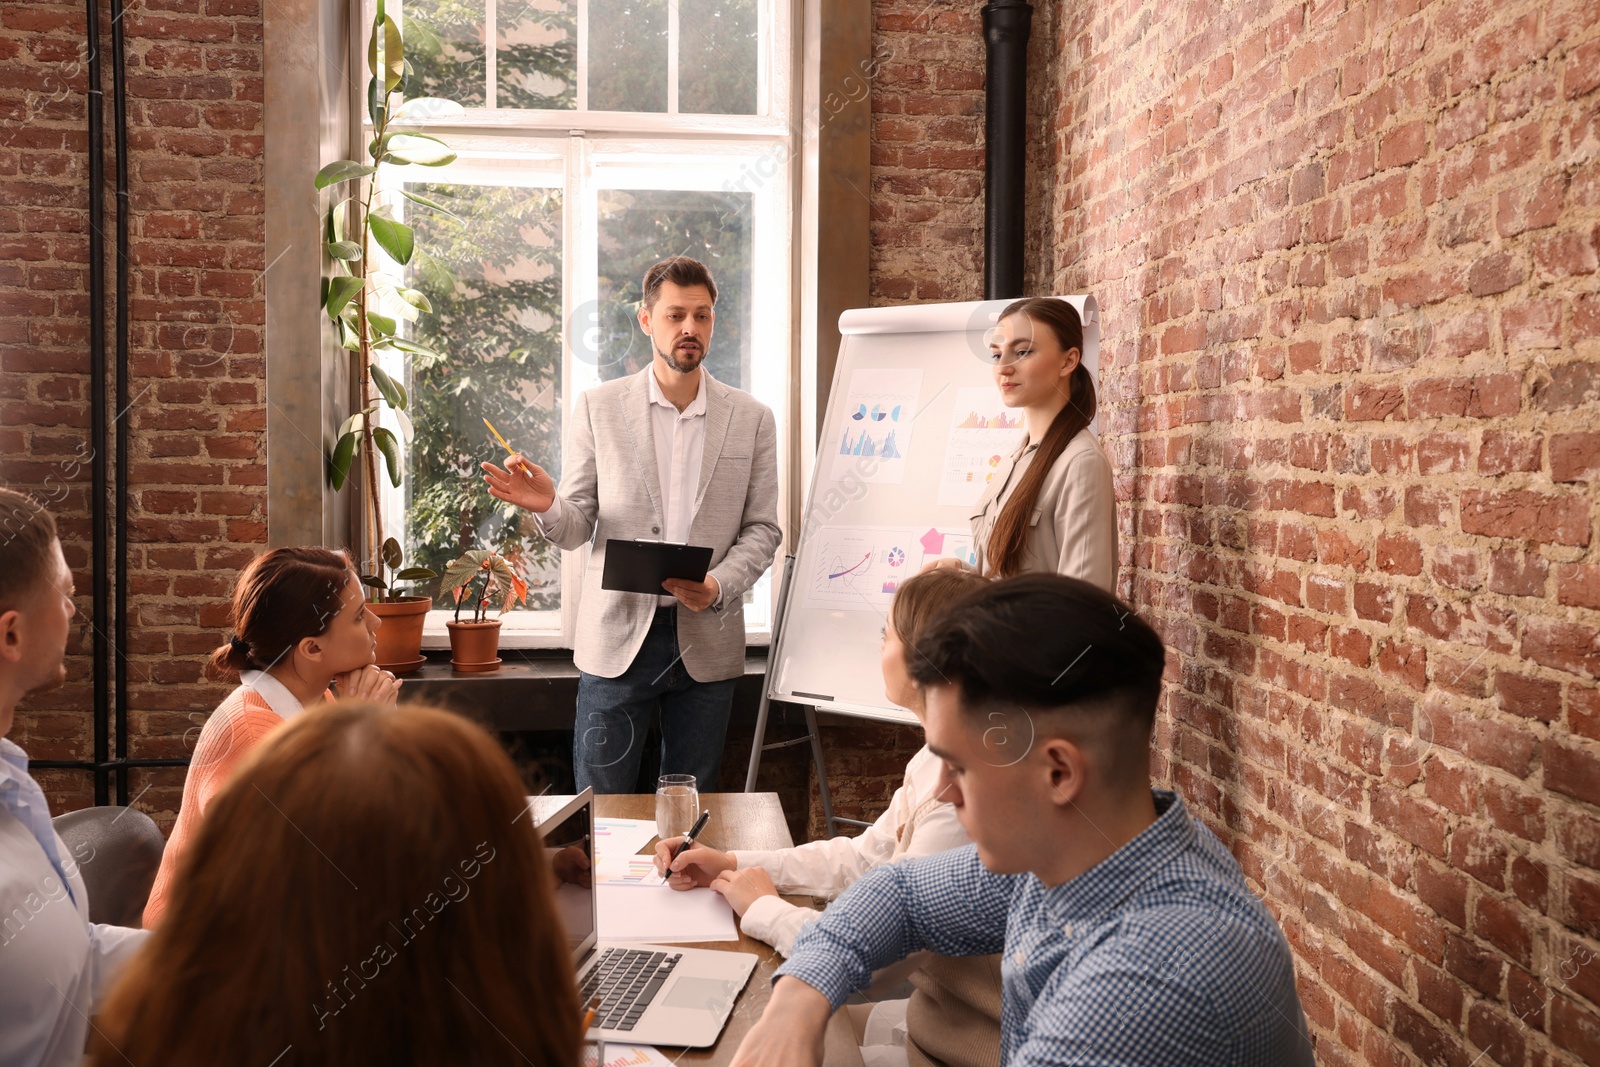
1128	932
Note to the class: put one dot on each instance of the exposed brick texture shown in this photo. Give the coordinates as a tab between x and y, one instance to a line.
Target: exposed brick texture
1346	259
198	457
1346	255
927	151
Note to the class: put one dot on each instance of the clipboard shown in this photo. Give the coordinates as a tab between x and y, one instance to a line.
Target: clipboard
641	566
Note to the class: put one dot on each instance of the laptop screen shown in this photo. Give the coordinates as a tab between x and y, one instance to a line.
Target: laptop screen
568	833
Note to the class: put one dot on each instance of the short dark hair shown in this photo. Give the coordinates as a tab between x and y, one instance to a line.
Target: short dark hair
1044	643
681	271
27	538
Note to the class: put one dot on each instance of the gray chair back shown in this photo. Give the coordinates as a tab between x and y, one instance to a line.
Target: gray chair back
118	851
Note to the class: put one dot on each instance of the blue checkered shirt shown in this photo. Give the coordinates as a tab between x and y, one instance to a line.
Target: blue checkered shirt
1158	955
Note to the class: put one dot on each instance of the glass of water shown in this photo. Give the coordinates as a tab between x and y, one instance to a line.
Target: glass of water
677	805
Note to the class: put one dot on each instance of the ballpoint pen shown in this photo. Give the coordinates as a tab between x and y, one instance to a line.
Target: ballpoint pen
688	838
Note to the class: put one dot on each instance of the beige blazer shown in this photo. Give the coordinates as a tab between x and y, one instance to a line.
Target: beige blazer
610	488
1073	529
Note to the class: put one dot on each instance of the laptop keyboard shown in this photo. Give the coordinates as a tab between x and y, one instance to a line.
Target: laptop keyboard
625	980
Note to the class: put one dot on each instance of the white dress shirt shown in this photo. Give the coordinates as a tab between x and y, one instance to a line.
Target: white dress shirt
680	438
55	965
680	441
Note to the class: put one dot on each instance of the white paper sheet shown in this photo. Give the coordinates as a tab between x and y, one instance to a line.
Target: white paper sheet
620	838
859	567
876	438
628	870
982	433
634	1056
656	913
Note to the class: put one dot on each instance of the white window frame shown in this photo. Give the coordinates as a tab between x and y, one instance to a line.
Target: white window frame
603	150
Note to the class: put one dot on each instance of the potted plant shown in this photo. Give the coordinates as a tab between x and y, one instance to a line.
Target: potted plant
475	644
400	636
367	305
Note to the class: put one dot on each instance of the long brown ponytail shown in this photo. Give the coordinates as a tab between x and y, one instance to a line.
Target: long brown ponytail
1008	540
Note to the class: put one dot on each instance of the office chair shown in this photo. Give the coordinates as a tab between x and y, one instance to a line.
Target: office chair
118	851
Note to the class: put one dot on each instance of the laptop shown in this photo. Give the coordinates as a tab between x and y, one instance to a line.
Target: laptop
649	994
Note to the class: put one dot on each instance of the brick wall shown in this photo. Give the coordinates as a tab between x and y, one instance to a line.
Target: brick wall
197	459
927	152
1345	255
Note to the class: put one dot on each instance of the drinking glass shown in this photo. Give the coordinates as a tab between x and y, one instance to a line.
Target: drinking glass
677	805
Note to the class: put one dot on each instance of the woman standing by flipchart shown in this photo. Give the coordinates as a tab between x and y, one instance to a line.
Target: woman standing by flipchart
1050	505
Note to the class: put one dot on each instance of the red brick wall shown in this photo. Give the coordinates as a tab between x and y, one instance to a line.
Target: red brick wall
1346	258
197	458
927	152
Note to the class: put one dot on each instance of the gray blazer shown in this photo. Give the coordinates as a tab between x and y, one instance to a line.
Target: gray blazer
610	488
1073	528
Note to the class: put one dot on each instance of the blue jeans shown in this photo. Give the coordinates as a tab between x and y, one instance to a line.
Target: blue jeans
614	715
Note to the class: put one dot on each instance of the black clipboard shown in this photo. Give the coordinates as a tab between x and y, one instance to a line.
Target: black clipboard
641	566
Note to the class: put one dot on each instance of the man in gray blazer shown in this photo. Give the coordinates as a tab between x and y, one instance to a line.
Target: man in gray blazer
667	454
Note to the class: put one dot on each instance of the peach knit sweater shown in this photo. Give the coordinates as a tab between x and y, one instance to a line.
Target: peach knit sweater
229	735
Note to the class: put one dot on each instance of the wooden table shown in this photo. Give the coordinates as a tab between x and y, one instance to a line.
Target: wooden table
738	820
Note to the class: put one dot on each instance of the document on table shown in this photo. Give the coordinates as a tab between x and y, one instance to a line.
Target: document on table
634	1056
629	870
620	838
640	912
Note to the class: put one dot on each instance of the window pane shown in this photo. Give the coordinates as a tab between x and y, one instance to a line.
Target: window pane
494	280
536	64
638	227
628	55
444	45
717	57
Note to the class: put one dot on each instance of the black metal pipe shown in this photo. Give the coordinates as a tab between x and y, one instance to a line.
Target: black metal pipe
1006	27
119	122
99	437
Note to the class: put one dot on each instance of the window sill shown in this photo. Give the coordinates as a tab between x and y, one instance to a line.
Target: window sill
436	637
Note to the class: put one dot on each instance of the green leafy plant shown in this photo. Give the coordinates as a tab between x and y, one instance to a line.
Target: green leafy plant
495	579
390	558
367	307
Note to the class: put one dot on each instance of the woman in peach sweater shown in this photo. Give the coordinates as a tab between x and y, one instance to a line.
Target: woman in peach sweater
301	626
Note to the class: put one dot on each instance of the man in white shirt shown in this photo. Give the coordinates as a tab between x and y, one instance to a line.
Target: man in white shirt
55	965
668	454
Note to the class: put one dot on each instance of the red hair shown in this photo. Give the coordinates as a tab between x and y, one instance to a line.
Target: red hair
367	889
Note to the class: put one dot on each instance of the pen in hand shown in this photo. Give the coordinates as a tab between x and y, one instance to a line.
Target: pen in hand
688	838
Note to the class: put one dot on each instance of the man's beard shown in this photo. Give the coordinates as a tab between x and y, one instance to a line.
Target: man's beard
679	365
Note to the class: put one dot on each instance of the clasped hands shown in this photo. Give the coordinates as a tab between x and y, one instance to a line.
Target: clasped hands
367	683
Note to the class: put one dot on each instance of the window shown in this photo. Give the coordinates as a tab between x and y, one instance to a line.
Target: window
599	136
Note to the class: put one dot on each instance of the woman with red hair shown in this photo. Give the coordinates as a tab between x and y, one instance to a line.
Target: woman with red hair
366	890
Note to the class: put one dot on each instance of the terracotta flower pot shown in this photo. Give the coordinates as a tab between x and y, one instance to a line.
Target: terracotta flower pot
400	636
474	646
